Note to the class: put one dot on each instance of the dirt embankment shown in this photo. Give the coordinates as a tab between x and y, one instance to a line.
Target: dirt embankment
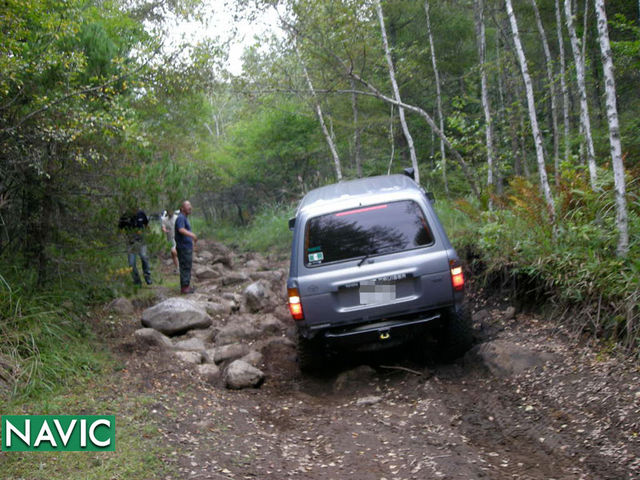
527	403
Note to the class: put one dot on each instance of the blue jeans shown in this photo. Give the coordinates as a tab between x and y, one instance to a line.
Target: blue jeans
139	249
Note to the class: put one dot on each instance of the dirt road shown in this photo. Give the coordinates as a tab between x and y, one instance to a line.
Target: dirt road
576	418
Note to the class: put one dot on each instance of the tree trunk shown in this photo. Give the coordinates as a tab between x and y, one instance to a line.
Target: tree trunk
563	83
481	41
537	136
396	93
392	140
614	130
582	89
325	131
443	153
356	131
552	92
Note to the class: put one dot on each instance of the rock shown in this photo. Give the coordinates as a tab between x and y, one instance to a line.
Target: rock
234	278
372	400
209	371
149	336
209	355
258	296
509	313
230	352
121	306
214	308
242	375
481	316
269	325
235	332
219	253
190	344
253	358
254	265
203	272
504	358
355	377
175	316
189	357
274	341
204	256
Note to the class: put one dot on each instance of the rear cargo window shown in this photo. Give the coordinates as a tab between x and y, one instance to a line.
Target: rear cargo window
372	230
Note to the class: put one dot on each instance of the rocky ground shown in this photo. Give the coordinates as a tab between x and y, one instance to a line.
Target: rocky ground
528	402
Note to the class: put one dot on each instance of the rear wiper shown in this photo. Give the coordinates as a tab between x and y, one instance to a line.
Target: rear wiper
363	259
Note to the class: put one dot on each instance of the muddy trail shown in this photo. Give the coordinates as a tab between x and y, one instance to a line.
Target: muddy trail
574	415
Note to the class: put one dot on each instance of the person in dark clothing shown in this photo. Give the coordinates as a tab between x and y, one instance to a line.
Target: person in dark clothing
134	227
185	242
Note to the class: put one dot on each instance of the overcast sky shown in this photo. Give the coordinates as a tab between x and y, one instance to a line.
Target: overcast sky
222	22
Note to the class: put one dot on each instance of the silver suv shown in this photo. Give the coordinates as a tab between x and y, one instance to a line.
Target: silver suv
372	267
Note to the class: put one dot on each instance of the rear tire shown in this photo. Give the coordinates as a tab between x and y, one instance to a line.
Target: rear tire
310	356
457	332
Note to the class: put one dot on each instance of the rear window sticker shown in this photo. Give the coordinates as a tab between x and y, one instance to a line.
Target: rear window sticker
316	257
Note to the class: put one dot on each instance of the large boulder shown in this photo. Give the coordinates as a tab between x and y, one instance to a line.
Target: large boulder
204	272
175	316
189	357
234	278
240	374
209	372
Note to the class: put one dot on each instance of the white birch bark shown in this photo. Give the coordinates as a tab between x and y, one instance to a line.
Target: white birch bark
563	83
552	92
614	130
396	93
325	131
356	132
482	47
582	91
535	130
391	140
443	153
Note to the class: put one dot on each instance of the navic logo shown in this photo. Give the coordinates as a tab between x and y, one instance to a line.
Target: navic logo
58	433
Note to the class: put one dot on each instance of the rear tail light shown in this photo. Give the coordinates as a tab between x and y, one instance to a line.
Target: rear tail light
295	307
457	277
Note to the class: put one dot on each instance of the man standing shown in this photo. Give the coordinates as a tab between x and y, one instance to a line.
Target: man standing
134	226
185	241
168	227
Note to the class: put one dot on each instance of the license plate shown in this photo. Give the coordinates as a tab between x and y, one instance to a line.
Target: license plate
374	292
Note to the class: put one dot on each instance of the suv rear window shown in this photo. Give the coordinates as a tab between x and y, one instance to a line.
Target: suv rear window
372	230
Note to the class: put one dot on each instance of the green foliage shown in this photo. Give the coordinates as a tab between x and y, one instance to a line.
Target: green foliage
44	342
575	264
268	232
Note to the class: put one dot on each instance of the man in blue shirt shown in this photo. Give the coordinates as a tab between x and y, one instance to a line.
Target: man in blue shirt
185	241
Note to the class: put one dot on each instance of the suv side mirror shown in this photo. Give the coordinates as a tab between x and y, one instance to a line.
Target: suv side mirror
292	223
410	172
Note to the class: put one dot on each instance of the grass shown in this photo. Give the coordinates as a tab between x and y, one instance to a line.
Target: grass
138	442
268	232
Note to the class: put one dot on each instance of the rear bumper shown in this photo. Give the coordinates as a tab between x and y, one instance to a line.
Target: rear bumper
380	334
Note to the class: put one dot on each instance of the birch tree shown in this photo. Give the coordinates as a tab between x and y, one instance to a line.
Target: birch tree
356	131
552	91
535	130
325	131
614	129
585	121
482	47
563	82
436	74
396	93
